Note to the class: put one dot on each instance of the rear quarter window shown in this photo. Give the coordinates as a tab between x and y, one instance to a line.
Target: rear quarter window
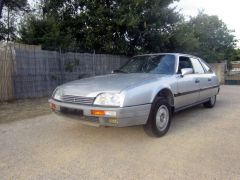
206	67
198	68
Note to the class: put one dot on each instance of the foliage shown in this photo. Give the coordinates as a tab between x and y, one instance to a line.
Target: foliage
108	26
13	5
126	27
205	36
236	55
9	16
16	5
43	31
183	39
216	40
3	30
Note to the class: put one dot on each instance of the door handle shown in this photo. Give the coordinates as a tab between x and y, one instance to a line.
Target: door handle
209	79
197	81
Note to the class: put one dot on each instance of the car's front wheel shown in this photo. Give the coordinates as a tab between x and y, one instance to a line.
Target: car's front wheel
159	118
211	102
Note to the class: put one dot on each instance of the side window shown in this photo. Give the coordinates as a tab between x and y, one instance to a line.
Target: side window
184	62
198	69
206	67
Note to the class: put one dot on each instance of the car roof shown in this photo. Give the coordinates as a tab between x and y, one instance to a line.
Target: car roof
174	54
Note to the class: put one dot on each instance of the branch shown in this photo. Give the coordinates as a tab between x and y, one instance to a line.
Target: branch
1	7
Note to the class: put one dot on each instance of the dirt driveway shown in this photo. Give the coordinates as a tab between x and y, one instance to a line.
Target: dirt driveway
201	144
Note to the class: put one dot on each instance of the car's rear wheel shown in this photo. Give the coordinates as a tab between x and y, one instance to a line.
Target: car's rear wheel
211	102
159	118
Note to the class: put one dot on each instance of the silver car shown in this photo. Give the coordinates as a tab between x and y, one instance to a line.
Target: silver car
147	90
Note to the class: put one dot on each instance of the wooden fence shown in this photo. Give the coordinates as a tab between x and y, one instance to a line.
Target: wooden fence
28	72
6	69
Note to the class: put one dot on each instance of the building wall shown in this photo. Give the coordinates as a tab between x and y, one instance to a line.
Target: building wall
219	69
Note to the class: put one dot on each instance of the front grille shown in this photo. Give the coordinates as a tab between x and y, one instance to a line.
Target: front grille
78	114
70	111
78	99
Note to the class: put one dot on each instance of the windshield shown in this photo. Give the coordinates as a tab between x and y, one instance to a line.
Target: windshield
155	64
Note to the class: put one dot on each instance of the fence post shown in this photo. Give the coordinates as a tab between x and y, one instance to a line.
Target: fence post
60	66
93	63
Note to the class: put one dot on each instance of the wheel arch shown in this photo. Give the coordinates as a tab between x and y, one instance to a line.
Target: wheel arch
166	93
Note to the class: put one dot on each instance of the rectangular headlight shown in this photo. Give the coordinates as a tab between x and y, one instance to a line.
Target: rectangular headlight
108	99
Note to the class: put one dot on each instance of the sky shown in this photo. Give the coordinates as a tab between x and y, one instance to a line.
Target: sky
227	10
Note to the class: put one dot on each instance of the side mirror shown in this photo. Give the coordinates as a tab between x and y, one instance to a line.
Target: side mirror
186	71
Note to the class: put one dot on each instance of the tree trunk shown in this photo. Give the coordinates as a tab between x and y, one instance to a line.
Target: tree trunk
8	25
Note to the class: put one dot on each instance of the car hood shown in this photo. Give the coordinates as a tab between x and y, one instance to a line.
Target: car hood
91	87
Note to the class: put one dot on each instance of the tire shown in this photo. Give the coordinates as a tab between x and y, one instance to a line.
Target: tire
159	119
211	102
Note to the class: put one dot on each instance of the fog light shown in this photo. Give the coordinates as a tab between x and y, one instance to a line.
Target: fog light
97	112
111	113
113	120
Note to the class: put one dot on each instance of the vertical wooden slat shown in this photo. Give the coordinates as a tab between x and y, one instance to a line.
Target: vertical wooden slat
6	69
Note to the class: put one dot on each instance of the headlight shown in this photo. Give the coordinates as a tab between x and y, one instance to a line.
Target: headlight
108	99
57	94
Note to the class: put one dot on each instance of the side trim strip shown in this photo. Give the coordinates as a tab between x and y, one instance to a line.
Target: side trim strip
190	105
199	90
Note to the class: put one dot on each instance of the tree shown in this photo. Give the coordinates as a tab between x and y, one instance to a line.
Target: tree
183	39
9	11
126	27
236	55
1	7
46	32
111	26
216	40
205	36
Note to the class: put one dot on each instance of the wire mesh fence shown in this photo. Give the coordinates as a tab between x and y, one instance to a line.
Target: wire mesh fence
30	72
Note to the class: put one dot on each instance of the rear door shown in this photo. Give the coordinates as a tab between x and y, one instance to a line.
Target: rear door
212	79
203	78
188	85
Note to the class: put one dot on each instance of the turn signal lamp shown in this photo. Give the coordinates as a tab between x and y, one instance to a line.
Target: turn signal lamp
97	112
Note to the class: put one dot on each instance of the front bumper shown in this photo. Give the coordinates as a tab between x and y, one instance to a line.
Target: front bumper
125	116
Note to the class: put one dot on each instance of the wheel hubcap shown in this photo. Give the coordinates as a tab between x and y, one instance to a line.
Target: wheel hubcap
162	117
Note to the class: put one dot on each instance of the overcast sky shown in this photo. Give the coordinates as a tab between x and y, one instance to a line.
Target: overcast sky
227	10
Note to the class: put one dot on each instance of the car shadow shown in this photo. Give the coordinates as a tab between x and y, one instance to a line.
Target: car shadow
188	119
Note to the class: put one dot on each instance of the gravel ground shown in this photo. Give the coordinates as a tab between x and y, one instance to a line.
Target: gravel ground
201	144
22	109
